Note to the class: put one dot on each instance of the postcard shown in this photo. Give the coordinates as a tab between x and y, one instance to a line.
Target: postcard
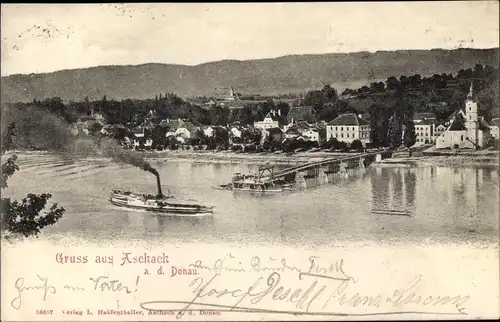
250	161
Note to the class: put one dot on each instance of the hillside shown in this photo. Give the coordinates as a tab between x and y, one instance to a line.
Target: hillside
286	74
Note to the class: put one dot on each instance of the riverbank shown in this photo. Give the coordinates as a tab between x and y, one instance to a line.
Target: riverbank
442	160
249	158
490	158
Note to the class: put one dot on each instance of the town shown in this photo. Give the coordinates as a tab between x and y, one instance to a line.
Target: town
443	112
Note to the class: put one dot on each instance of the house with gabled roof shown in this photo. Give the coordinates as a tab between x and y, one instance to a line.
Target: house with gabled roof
296	129
187	131
271	120
141	137
348	127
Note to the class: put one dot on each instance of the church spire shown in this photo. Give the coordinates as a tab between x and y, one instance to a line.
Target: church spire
471	92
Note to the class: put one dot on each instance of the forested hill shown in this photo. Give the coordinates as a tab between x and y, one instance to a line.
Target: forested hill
288	74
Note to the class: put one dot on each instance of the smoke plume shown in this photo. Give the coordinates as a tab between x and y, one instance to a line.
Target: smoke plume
108	148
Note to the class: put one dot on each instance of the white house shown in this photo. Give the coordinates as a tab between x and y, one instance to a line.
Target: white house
467	130
235	132
208	131
269	122
495	124
348	127
147	142
186	131
425	131
439	129
183	133
311	134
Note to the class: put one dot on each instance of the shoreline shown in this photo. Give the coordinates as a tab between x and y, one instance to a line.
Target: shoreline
230	157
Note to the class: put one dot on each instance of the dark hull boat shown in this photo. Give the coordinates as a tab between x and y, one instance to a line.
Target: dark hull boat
160	204
156	204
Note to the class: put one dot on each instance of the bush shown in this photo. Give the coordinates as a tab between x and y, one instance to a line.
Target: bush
236	147
357	145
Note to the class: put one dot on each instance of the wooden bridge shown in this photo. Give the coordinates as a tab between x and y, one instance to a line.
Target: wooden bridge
320	171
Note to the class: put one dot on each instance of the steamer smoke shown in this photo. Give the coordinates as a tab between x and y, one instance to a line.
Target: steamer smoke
107	148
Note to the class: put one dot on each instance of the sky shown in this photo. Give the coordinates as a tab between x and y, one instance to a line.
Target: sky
37	38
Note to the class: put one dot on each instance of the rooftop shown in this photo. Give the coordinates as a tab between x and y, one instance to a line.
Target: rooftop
300	113
427	121
348	119
457	125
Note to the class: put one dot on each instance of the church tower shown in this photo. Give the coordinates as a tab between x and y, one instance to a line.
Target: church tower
471	122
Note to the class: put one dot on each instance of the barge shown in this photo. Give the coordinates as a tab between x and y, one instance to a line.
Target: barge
257	183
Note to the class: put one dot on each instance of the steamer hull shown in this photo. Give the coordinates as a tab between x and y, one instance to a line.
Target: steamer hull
161	205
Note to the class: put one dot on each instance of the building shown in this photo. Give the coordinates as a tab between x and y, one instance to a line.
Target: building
235	131
348	127
269	122
467	129
296	129
495	124
139	132
83	125
439	129
187	131
320	127
425	131
208	131
425	128
312	134
273	134
171	124
225	94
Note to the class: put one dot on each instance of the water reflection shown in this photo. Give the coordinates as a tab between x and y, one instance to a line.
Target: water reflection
444	202
442	198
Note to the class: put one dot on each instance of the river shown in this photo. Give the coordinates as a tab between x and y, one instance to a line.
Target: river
447	205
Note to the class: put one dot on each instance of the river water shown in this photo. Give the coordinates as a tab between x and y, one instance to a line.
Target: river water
447	205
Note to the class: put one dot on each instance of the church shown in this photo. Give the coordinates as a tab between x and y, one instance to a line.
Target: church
467	129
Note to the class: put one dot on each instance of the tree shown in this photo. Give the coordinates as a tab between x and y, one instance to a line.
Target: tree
23	217
392	83
94	128
356	145
409	137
